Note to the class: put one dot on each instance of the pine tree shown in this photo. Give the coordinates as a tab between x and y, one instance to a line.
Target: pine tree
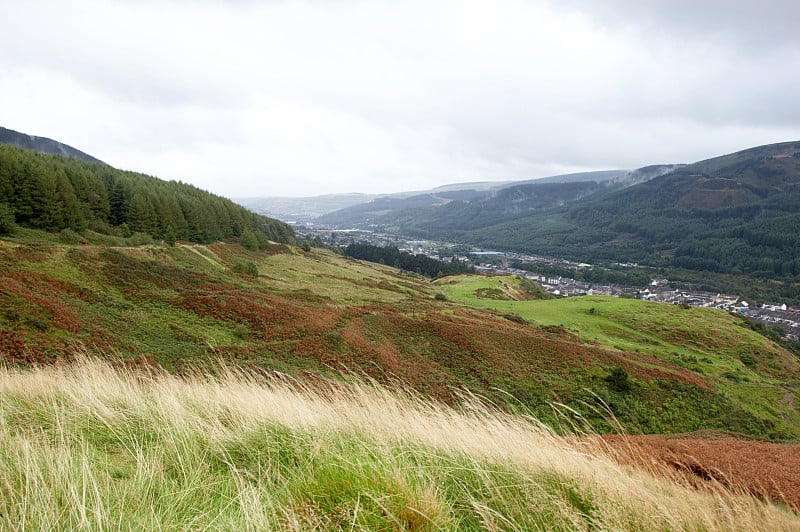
7	223
141	214
249	240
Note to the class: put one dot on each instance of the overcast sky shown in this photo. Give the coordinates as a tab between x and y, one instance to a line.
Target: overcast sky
253	98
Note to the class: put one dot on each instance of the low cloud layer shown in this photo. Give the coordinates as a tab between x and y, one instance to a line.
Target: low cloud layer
303	98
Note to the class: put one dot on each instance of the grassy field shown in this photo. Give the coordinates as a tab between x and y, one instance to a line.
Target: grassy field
738	362
707	340
88	446
659	369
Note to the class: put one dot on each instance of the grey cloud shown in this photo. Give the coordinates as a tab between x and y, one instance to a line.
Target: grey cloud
321	96
740	23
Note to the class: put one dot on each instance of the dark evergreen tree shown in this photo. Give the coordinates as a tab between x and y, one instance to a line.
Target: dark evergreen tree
141	214
54	193
118	198
7	222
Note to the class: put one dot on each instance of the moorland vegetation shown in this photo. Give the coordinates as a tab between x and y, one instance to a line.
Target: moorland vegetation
91	446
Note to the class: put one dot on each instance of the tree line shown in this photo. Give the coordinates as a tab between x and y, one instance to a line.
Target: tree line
403	260
54	193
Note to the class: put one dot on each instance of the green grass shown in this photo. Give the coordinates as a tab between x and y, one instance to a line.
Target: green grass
317	312
88	447
711	343
715	339
343	281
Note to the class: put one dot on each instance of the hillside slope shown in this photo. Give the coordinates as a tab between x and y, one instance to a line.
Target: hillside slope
89	446
452	214
318	313
43	145
735	212
487	203
53	193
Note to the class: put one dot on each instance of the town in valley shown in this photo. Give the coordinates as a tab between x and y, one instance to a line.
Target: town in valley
492	262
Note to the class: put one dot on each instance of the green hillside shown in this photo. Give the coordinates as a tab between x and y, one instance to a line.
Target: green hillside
483	203
733	218
736	213
660	369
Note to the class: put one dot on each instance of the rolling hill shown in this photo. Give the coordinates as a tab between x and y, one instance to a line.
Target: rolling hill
83	270
169	359
455	209
318	313
354	208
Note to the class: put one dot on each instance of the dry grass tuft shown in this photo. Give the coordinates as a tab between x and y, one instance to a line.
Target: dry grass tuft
88	445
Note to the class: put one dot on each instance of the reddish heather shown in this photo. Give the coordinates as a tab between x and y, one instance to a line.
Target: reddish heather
767	470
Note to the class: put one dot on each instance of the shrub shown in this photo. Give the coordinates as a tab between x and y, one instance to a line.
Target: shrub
140	239
247	267
68	236
732	376
440	297
516	318
618	379
747	359
241	331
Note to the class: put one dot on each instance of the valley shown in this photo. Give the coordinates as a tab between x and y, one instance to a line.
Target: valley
104	303
325	266
565	278
725	225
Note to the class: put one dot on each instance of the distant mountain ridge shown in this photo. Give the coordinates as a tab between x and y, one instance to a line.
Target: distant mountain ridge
43	145
388	210
737	215
306	209
474	207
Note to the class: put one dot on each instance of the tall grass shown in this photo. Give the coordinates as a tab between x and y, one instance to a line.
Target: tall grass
90	446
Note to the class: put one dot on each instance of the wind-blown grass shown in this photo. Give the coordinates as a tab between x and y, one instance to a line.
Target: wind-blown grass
90	446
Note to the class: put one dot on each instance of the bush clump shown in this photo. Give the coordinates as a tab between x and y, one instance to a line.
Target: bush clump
618	379
747	359
246	267
241	331
140	239
68	236
516	318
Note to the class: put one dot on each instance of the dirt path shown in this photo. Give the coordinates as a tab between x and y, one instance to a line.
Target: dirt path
193	249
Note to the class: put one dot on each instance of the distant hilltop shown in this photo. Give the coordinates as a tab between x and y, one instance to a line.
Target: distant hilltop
43	145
